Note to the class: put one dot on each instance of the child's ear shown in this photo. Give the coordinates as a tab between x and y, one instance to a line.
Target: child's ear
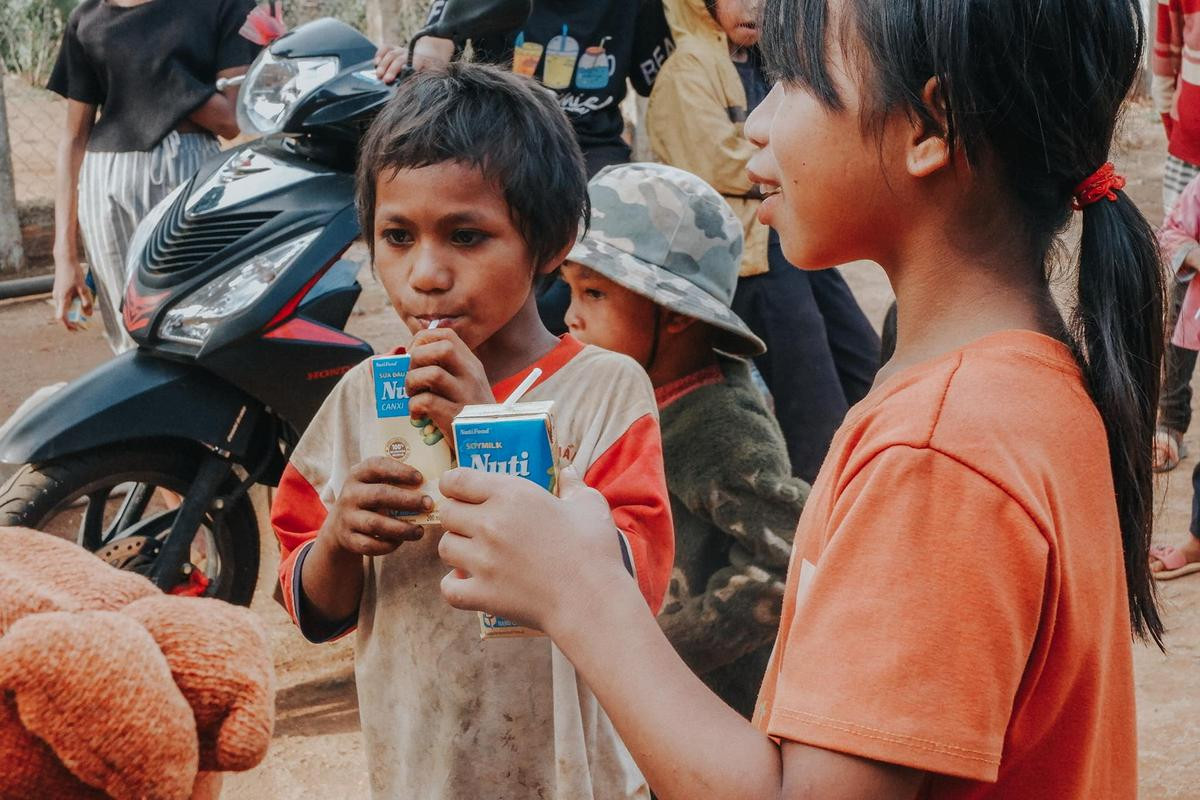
555	261
928	148
675	323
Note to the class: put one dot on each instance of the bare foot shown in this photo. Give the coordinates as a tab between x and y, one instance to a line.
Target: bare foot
1190	549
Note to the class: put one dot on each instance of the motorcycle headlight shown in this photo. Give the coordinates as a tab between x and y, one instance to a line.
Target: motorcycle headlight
141	234
275	85
193	320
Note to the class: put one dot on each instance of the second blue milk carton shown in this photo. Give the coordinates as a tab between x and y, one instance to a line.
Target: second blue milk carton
516	439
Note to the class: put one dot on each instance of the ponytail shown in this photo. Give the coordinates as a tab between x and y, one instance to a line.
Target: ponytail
1118	330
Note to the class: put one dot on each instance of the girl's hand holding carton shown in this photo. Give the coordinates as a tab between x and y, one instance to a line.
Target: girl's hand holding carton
523	554
510	438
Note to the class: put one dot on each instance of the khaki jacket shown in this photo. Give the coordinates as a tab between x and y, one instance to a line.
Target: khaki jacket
695	118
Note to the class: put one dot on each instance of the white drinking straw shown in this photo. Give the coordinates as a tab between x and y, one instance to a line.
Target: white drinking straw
525	386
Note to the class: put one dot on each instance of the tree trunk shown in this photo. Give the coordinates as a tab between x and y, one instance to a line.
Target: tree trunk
394	21
12	253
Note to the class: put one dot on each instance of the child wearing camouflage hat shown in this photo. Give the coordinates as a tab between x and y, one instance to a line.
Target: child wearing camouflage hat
653	278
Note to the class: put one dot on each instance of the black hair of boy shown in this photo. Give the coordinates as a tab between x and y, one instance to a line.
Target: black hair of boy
506	126
1042	137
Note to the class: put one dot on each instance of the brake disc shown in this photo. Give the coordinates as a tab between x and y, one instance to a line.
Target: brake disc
133	553
137	554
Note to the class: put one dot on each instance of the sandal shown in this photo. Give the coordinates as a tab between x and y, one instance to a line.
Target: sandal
1169	449
1175	563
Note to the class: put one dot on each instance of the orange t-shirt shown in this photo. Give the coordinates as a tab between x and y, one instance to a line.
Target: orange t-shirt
956	599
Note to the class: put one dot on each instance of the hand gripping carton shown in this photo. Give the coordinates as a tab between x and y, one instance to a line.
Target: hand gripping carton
509	439
414	441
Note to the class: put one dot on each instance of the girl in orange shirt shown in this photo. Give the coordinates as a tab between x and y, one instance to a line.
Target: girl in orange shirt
962	589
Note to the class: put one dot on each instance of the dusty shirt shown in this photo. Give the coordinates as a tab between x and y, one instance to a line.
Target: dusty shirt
956	599
444	714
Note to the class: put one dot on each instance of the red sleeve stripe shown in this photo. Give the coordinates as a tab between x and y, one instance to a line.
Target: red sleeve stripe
296	516
630	476
297	513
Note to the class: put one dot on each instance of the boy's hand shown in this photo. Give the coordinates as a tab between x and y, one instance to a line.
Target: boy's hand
431	52
521	553
443	376
360	522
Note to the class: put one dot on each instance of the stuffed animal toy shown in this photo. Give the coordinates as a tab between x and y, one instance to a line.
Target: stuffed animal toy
109	688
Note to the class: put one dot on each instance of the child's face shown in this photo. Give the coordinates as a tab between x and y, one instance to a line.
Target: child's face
739	20
608	315
446	249
832	180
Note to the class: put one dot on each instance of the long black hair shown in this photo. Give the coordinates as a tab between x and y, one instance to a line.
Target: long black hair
1034	89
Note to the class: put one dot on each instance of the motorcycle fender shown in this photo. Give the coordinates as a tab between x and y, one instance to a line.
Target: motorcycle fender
134	396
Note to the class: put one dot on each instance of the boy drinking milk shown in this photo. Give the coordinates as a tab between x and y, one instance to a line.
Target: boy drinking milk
470	186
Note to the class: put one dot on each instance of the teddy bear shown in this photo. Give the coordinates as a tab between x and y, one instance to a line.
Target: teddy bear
110	688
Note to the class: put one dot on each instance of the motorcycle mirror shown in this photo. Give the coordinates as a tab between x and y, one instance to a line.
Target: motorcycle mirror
470	19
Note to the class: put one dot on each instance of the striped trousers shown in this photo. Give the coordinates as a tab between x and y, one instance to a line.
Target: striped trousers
1177	174
116	190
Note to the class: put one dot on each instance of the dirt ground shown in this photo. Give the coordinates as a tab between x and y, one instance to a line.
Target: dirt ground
317	750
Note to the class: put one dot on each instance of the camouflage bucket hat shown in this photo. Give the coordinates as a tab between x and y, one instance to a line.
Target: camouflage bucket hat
669	236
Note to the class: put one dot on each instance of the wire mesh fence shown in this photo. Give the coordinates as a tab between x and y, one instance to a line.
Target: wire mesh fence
30	35
30	32
35	122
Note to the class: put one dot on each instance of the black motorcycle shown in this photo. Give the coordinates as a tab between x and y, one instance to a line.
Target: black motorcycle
237	299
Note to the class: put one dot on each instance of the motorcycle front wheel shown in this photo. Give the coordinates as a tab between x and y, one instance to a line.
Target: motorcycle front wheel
120	504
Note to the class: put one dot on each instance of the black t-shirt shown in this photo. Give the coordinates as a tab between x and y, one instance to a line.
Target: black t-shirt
754	80
148	66
585	50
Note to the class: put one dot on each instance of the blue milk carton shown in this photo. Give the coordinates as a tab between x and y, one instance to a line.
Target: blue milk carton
414	441
516	439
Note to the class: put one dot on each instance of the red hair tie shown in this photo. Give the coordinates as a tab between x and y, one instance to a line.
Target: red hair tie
1101	184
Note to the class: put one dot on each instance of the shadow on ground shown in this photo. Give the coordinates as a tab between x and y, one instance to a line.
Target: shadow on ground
317	707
